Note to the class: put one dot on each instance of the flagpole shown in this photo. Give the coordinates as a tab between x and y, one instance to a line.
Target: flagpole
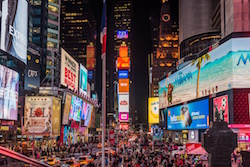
103	108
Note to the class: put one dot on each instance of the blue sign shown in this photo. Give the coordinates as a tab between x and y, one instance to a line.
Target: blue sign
90	74
123	74
122	34
193	115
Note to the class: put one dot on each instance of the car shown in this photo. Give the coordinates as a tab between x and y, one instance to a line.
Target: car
106	152
53	161
99	145
72	163
85	160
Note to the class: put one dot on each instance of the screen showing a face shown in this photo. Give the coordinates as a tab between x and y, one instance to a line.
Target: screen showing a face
14	26
9	86
88	115
75	109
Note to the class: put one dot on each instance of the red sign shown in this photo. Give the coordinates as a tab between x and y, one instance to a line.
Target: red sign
111	136
220	105
124	126
123	51
123	63
192	146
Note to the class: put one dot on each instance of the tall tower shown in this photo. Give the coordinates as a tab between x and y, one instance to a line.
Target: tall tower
167	51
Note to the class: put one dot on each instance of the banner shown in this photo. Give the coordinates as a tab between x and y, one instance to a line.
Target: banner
123	74
124	86
9	87
194	115
224	68
111	136
38	115
123	51
220	108
153	110
14	26
67	105
90	57
123	63
56	116
123	105
69	71
83	80
122	34
32	70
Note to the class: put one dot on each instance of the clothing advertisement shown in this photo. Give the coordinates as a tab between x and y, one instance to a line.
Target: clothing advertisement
9	87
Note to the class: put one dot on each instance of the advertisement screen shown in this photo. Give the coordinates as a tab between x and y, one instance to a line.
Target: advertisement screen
123	85
32	70
84	110
223	68
90	75
90	57
153	110
88	115
123	105
56	116
220	108
75	109
38	115
69	71
123	74
123	63
123	51
67	105
122	34
162	118
194	115
14	26
9	87
123	116
83	80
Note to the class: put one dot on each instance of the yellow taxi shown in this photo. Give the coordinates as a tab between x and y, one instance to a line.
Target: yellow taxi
53	161
99	145
72	163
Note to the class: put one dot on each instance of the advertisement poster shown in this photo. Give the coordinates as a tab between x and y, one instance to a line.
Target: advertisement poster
83	80
9	87
32	70
153	110
220	108
123	105
122	34
90	57
123	51
88	115
193	136
75	109
69	71
14	26
249	104
67	105
194	115
124	86
123	74
221	69
56	116
123	116
162	118
38	115
84	110
123	63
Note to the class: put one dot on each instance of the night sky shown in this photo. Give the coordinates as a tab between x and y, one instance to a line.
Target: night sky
141	47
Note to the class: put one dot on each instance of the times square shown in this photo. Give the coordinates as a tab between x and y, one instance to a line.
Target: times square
125	83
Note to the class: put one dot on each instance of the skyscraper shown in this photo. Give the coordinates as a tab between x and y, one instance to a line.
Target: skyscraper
167	51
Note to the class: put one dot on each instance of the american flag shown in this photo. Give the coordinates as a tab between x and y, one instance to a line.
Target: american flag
103	37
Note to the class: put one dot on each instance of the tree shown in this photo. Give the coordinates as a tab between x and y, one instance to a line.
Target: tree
197	62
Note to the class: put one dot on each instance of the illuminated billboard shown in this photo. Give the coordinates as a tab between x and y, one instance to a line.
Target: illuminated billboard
76	108
14	26
83	80
9	87
90	57
123	63
223	68
220	108
123	51
69	71
194	115
41	115
122	34
88	114
123	105
153	110
123	74
67	105
123	85
123	116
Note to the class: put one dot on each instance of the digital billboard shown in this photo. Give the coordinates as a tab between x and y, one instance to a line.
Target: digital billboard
123	116
194	115
69	71
14	26
56	116
123	74
90	57
88	115
163	117
38	115
153	110
223	68
123	105
220	108
84	110
32	70
75	109
9	87
83	80
67	106
90	75
123	85
123	51
122	34
123	63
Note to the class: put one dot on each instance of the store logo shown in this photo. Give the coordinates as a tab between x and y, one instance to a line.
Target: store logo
32	73
124	102
243	59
